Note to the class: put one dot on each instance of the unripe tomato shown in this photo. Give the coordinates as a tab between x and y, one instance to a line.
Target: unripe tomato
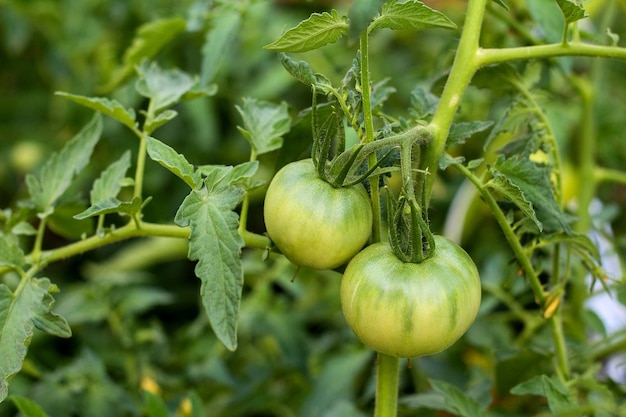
410	309
313	223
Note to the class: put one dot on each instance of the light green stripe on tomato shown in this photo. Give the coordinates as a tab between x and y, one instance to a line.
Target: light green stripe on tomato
406	309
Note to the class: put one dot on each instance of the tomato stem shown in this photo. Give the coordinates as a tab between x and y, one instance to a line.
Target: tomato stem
369	134
463	68
387	375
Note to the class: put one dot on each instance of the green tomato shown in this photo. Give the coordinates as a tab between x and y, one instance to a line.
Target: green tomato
313	223
410	309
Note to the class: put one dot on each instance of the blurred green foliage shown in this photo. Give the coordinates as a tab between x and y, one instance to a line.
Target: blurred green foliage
136	319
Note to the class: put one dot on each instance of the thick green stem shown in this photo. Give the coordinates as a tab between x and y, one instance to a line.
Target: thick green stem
496	56
560	348
245	203
369	134
609	175
387	372
141	163
586	154
131	230
463	68
36	253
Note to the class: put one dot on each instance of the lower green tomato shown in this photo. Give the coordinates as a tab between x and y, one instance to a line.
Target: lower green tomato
410	309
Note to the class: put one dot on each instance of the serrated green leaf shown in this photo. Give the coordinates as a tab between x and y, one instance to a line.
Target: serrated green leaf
163	87
529	182
162	118
106	106
149	39
20	312
506	188
559	398
446	160
475	163
456	399
173	161
302	71
111	205
318	30
27	407
215	243
59	170
584	248
380	93
410	15
572	10
460	132
227	174
225	26
43	318
264	124
108	184
10	253
423	103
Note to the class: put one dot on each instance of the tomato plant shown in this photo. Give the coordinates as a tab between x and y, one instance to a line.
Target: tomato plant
134	270
409	309
313	223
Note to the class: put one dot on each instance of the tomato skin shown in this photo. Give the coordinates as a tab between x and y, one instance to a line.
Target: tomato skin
410	309
313	223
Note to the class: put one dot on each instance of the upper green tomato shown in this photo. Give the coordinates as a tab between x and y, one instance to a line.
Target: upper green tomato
313	223
410	309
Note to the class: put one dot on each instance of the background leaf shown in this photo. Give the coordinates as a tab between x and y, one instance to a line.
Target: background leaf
27	407
108	185
20	312
10	253
460	132
225	25
264	124
333	385
163	87
456	399
150	38
558	395
57	173
106	106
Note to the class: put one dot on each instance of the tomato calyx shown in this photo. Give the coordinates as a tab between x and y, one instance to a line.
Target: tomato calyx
335	164
410	237
342	167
